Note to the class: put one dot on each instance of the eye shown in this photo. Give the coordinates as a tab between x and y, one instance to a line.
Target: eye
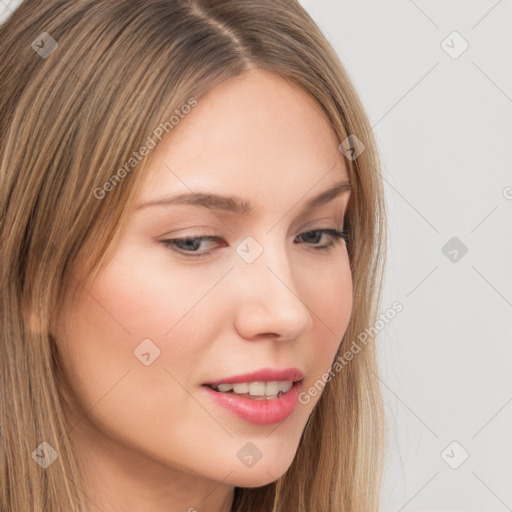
189	246
336	236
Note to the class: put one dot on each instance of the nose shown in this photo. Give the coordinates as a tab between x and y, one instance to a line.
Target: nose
268	301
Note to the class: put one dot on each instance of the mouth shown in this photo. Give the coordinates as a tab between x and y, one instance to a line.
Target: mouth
262	398
264	384
255	390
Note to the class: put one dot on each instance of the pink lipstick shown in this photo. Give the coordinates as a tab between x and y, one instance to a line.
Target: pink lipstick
263	397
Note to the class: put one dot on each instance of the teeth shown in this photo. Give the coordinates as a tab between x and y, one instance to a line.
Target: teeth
257	389
286	386
241	388
272	388
225	387
262	389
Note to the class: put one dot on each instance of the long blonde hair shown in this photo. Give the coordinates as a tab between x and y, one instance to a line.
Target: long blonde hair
73	115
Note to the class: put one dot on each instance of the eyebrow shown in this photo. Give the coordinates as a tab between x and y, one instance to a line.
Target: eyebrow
237	205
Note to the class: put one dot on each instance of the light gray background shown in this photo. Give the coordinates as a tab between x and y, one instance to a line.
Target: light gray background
444	129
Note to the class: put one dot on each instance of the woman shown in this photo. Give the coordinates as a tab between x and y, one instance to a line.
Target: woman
192	236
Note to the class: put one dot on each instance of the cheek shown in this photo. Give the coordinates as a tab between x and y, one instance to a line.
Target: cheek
329	300
122	396
137	332
135	298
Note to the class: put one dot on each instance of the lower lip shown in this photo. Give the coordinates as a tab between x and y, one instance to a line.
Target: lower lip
259	412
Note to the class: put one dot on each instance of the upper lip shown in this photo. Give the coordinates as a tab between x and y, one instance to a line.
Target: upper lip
263	375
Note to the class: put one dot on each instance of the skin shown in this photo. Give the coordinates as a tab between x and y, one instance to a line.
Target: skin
149	438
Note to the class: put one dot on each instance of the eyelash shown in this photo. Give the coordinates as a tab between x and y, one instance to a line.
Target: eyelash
336	237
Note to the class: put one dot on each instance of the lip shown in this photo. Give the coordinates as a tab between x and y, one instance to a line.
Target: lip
263	375
257	412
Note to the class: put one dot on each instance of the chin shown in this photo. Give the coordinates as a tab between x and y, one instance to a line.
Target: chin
258	476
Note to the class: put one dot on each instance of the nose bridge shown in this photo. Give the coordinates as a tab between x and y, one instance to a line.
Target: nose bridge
269	301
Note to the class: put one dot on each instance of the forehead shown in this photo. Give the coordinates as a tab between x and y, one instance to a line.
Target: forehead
255	135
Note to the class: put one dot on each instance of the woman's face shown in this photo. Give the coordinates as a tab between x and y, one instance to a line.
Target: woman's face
260	290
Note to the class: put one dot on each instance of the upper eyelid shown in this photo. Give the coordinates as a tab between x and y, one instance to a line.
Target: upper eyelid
211	232
309	230
336	219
